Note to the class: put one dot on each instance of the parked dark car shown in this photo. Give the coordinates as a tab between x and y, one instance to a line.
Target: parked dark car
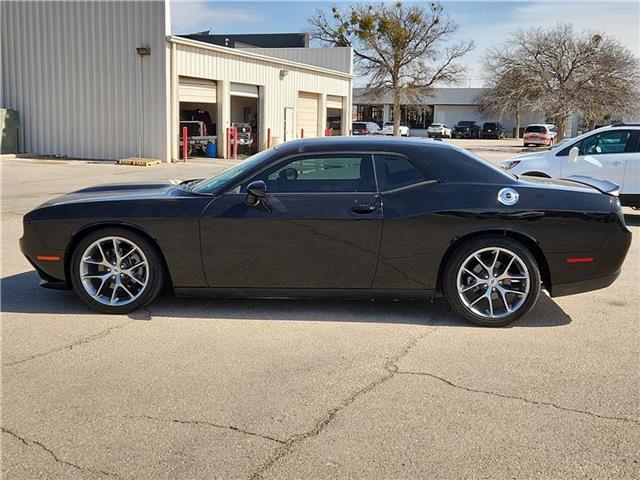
492	130
466	129
365	128
305	219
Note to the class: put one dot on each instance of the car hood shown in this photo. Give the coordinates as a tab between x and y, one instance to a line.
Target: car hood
526	157
116	191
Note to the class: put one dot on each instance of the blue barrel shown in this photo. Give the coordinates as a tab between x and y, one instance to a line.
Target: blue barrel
212	149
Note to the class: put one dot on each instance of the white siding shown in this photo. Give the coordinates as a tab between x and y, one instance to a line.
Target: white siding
72	72
227	65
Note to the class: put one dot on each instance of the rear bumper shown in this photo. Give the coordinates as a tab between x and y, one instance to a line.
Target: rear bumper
569	278
537	141
584	285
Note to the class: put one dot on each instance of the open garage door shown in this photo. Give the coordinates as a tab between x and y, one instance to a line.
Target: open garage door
334	115
307	115
197	90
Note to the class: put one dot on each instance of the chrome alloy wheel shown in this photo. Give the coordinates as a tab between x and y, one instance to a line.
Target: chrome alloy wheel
493	282
114	271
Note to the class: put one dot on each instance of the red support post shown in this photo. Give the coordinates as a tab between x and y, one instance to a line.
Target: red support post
235	143
268	138
185	143
302	133
227	148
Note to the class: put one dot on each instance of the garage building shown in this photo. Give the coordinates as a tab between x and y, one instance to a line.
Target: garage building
107	80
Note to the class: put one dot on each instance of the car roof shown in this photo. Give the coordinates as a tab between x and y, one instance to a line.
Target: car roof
359	143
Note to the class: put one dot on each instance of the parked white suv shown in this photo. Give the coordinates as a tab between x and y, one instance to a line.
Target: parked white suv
438	130
388	129
540	134
608	153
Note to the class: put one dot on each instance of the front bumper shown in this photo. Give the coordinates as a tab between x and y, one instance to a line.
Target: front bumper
41	257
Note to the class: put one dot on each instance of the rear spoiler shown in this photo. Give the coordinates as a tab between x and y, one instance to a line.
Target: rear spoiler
603	186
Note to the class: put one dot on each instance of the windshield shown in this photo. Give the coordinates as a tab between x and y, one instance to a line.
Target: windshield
465	124
535	129
211	184
388	124
489	125
436	125
359	125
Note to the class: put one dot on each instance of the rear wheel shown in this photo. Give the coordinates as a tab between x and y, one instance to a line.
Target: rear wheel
492	281
115	270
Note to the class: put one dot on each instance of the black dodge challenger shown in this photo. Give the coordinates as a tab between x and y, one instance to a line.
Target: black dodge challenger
337	217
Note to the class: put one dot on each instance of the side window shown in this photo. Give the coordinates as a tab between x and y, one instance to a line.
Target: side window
394	172
320	173
606	142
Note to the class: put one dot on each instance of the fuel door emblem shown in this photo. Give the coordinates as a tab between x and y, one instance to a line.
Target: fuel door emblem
508	196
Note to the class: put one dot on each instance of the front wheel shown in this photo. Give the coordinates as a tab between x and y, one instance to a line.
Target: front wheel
492	281
115	270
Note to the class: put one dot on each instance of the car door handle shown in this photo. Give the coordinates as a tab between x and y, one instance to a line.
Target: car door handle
363	208
617	163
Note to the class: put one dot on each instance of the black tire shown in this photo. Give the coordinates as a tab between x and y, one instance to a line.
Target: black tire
463	252
156	270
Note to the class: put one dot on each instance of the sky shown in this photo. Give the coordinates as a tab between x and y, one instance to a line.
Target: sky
488	23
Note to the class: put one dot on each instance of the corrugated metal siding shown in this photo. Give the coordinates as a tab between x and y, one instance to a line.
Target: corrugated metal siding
335	58
81	90
194	61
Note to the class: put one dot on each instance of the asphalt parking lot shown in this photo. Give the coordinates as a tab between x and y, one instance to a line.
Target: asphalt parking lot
247	389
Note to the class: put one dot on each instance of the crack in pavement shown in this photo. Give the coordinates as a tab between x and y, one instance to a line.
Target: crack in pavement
29	443
522	399
390	371
197	422
69	346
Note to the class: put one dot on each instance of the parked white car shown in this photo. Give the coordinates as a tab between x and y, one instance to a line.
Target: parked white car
388	129
609	153
545	134
439	130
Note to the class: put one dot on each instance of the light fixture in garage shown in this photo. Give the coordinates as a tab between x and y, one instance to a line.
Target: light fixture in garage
143	51
283	73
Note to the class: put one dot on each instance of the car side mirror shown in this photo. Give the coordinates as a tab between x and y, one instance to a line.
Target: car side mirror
573	154
256	191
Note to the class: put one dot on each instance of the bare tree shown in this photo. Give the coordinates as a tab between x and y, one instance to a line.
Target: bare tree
562	66
612	90
506	92
397	47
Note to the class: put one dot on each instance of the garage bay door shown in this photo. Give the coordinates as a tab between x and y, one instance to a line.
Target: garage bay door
334	102
307	114
197	90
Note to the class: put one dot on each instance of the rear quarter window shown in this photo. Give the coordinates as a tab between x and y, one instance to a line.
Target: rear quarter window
395	171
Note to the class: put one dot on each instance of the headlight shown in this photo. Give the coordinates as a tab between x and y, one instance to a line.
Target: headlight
510	165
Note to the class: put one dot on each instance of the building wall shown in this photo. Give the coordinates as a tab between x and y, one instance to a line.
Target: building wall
227	65
72	72
452	114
